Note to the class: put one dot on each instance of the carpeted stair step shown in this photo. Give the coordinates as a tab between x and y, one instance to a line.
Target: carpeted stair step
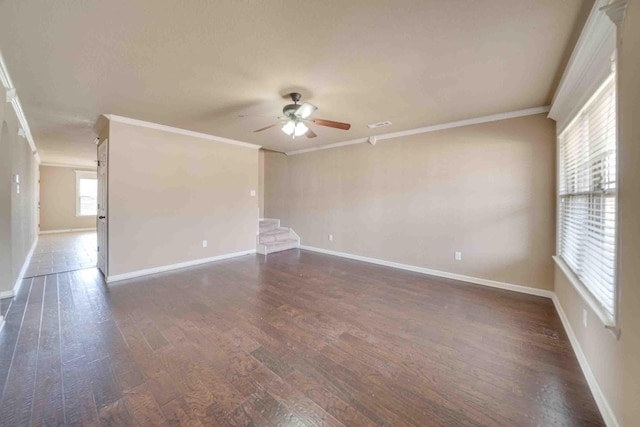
278	234
273	238
267	225
281	245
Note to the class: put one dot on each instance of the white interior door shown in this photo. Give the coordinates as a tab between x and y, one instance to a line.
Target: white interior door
103	150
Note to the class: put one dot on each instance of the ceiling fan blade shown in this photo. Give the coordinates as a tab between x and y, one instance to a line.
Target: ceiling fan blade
266	127
310	134
305	110
332	124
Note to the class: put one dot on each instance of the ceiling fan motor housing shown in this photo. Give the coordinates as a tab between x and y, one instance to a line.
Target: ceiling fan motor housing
289	110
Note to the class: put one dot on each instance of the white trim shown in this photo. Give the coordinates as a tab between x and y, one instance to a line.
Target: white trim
10	94
588	66
5	78
14	99
23	270
610	321
84	174
161	269
328	146
2	322
25	265
603	405
67	230
486	282
604	317
616	10
186	132
69	165
433	128
295	235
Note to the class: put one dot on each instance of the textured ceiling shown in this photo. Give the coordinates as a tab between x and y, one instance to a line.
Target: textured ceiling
199	64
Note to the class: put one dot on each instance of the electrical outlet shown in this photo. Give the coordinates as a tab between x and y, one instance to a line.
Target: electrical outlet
457	255
204	243
252	193
331	237
584	317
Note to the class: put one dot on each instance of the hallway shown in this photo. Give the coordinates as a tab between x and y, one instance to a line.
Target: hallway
60	252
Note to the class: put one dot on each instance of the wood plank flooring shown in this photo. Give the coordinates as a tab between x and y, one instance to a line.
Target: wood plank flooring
59	252
296	339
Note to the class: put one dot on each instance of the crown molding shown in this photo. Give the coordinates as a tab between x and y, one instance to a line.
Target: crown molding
615	11
427	129
12	97
11	93
5	78
589	65
171	129
69	165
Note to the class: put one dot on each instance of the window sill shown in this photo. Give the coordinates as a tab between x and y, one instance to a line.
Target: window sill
585	294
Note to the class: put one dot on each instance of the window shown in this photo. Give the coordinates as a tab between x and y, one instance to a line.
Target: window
587	194
86	193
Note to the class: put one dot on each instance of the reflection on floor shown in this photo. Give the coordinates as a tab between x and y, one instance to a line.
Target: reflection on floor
56	253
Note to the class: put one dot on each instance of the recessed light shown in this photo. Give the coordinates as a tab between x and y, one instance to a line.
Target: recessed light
379	124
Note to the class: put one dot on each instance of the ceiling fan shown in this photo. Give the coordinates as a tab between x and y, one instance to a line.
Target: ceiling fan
295	116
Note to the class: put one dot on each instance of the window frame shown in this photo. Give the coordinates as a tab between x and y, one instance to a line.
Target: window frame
83	174
610	321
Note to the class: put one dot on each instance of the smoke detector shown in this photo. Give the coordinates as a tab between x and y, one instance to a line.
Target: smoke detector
379	124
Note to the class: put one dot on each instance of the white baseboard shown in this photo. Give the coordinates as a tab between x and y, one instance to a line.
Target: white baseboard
67	230
16	287
463	278
7	294
603	405
161	269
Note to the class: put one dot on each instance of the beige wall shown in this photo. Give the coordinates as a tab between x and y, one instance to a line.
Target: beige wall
58	200
17	211
486	190
5	205
168	192
616	364
276	184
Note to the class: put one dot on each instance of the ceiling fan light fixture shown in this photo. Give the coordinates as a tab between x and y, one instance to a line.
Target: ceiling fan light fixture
292	128
289	127
293	116
300	129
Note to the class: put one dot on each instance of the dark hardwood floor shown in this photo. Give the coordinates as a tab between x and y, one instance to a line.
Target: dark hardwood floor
298	339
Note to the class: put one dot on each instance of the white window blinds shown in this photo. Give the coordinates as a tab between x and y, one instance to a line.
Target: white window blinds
86	193
587	196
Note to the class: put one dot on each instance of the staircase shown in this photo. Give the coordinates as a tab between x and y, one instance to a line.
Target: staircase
273	238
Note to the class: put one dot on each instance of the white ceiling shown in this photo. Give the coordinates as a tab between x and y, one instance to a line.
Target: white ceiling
199	64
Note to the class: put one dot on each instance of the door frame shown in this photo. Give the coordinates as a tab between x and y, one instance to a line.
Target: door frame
103	207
